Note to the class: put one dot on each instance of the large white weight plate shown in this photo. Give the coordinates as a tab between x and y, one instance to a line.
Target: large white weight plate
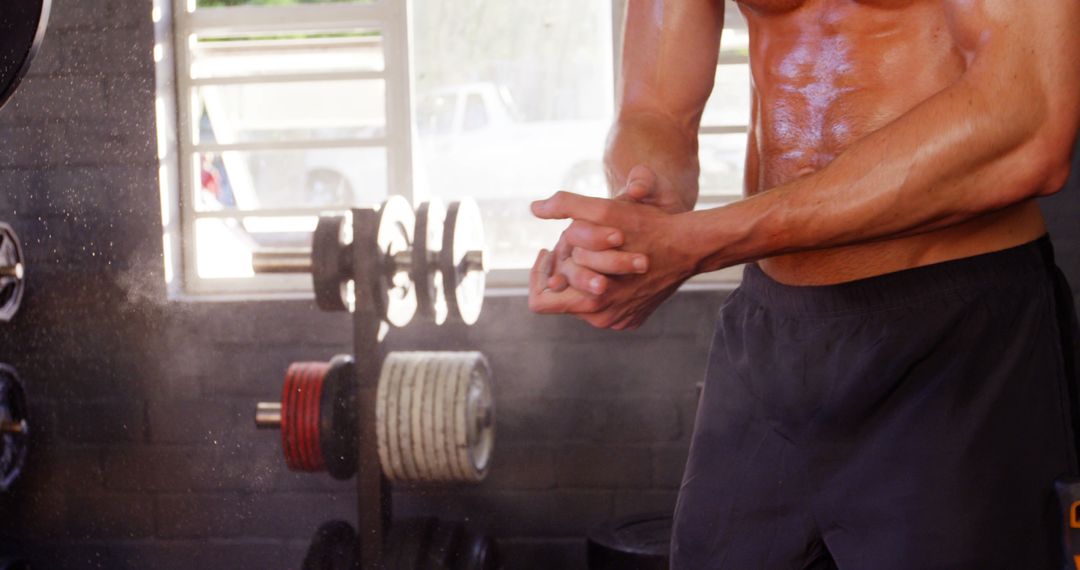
431	414
392	369
12	280
426	274
462	262
408	454
454	392
395	293
480	415
382	415
415	415
435	416
438	416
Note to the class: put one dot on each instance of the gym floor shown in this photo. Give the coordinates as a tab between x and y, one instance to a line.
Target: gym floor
143	453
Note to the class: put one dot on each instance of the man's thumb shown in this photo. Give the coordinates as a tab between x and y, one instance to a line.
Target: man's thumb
640	183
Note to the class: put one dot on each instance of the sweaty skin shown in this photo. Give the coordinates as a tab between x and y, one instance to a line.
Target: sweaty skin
885	135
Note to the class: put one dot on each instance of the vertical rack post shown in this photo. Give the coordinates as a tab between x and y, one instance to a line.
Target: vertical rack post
373	498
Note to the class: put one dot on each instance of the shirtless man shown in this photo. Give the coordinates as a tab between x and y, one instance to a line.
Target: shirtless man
889	386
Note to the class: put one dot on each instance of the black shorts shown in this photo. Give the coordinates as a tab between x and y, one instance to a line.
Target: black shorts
911	421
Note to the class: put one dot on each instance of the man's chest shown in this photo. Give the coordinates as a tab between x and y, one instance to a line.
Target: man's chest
780	6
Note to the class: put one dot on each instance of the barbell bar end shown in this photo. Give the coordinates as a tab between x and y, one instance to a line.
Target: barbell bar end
268	415
474	260
17	271
281	260
13	427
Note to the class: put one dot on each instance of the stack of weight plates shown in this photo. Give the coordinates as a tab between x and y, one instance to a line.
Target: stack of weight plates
435	417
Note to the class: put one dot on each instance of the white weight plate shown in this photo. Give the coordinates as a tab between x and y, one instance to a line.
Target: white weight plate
382	435
480	416
416	414
404	421
427	418
426	273
396	364
453	374
448	384
396	294
461	428
438	415
463	232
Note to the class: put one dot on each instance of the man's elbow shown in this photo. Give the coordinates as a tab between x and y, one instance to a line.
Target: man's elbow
1050	164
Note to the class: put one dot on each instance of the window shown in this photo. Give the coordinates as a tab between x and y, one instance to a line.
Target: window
291	108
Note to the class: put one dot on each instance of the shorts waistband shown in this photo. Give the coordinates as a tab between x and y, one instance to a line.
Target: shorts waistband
893	290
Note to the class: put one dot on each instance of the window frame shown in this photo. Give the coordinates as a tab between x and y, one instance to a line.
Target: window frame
176	21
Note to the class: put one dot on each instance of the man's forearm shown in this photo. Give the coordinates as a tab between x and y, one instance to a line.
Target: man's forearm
958	155
660	143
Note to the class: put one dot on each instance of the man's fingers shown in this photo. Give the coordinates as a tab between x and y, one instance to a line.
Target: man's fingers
557	282
541	269
568	301
590	236
569	205
611	262
583	278
562	248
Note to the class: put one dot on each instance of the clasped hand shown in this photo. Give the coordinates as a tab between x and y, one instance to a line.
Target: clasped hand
617	261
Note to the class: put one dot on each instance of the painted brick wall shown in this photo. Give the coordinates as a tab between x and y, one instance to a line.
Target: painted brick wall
144	454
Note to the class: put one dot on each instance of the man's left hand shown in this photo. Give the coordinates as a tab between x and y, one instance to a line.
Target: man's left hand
626	300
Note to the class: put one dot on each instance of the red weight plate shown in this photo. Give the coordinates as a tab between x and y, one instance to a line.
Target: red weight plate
312	434
301	416
288	417
306	396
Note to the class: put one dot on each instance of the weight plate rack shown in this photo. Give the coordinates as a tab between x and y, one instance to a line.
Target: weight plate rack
415	418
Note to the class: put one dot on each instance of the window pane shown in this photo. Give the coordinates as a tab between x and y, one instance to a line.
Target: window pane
218	3
308	178
730	101
723	159
224	245
513	102
729	104
286	52
256	112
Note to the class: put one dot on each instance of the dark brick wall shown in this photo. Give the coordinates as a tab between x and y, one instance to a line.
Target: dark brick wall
144	454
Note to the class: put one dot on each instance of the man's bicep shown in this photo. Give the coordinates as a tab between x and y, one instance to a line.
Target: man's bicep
1023	56
670	49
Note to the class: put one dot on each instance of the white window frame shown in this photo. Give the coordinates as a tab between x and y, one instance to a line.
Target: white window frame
389	17
177	22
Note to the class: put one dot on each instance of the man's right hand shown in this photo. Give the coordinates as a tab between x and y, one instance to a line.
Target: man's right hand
582	262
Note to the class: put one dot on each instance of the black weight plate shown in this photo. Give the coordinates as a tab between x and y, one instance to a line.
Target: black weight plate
638	541
338	429
333	548
14	564
331	264
11	286
445	546
478	552
14	445
415	538
22	27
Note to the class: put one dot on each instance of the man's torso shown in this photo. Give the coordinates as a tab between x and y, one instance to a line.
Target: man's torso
829	72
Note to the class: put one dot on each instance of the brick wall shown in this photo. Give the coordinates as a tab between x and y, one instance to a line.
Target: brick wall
144	454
